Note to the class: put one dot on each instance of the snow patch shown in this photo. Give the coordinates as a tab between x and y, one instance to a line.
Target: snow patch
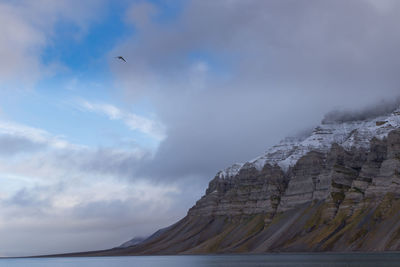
230	171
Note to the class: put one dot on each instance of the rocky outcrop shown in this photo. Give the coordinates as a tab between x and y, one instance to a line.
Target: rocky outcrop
249	192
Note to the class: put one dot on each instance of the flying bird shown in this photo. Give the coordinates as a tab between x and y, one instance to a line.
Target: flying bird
123	59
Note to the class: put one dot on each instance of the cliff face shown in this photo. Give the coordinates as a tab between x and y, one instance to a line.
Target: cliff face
336	190
249	192
356	175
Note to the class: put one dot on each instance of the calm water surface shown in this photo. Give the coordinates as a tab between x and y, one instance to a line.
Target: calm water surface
326	260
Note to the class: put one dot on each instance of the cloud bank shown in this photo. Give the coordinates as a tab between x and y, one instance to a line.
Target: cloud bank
56	191
230	78
381	108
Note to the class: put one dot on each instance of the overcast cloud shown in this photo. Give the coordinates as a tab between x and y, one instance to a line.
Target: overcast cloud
268	69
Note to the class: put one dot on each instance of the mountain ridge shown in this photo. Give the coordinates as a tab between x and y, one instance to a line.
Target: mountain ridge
337	189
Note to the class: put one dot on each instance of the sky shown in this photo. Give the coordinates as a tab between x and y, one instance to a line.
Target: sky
95	151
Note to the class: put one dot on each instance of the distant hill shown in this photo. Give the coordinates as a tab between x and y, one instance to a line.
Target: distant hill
132	242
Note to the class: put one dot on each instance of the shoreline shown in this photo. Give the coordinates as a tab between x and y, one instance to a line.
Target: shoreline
76	255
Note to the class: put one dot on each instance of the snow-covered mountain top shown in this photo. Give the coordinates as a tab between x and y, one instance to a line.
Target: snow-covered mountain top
347	134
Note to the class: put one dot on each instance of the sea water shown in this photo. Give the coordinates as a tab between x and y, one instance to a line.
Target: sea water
304	259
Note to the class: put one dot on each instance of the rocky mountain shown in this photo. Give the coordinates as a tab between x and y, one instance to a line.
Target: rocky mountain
337	189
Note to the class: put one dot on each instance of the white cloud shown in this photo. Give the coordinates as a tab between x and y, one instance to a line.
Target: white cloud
152	128
34	135
27	27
